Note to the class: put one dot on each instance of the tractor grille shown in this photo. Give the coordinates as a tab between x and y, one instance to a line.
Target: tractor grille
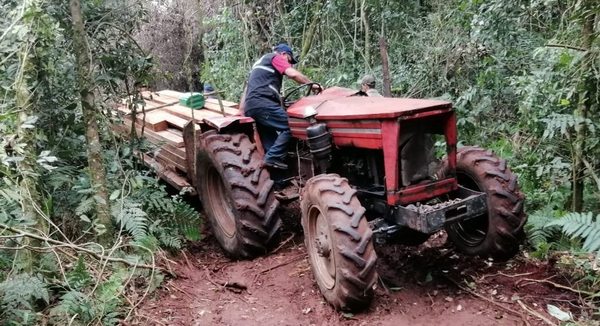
417	157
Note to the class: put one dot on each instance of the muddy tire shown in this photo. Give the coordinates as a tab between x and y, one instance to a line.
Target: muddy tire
236	195
499	232
338	240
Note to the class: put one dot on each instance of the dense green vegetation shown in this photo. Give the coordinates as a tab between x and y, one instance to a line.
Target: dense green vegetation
81	222
59	261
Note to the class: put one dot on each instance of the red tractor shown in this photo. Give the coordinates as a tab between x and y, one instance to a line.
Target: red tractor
367	172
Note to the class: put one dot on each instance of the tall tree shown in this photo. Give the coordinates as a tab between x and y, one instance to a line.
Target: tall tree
585	90
364	17
94	147
26	133
385	66
310	32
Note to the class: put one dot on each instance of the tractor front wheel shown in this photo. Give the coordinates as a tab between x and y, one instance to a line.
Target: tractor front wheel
499	232
338	240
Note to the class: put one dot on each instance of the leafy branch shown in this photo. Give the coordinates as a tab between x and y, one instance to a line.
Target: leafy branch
18	233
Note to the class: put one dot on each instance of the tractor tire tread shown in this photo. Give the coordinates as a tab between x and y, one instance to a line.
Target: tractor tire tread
357	258
505	212
250	190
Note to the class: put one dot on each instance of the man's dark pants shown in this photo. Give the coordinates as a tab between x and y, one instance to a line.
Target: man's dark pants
274	130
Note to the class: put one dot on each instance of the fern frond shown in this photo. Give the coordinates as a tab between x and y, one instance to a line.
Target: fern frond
75	303
85	206
79	277
581	225
131	216
169	240
149	242
536	228
187	220
21	290
561	124
154	200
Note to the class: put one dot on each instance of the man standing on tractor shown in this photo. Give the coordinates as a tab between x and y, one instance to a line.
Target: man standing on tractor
262	102
367	86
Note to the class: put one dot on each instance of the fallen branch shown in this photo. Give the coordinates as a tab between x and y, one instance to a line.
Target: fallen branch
287	262
505	275
21	233
475	294
591	170
187	261
233	286
565	46
180	290
556	285
153	320
284	243
535	313
385	288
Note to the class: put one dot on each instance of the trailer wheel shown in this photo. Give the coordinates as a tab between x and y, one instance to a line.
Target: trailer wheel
338	240
235	190
499	232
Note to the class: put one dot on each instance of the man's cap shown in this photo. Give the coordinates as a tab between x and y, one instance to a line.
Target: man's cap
368	80
283	47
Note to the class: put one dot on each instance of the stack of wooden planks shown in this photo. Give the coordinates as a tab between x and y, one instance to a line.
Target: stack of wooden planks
161	122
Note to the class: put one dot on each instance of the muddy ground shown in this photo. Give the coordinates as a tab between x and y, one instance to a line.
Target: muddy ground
425	285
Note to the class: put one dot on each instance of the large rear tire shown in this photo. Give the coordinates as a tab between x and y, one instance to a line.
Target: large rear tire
338	240
235	190
499	232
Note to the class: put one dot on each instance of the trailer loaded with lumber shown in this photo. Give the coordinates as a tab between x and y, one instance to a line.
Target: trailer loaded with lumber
168	120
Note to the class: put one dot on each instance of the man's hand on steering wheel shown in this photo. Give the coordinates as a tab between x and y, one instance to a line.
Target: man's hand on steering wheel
314	88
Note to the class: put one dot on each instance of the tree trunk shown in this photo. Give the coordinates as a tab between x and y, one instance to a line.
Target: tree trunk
365	21
387	87
86	86
30	197
584	103
309	36
193	54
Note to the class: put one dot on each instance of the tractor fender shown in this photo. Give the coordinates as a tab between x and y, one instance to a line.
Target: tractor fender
222	123
194	132
230	125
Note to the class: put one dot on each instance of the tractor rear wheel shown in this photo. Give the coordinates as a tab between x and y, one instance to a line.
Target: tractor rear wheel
235	190
338	240
499	232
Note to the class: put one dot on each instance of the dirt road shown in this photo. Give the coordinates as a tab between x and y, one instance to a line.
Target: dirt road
428	285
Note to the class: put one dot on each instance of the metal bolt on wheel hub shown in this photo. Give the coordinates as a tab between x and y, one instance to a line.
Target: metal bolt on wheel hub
320	239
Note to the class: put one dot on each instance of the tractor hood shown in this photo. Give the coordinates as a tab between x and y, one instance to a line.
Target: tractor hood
339	103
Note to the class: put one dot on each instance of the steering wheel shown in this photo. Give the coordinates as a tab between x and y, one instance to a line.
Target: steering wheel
297	89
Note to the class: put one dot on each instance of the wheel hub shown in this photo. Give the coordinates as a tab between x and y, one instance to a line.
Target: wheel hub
322	245
220	203
321	248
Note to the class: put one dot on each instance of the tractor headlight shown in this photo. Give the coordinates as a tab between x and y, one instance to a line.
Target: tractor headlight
309	111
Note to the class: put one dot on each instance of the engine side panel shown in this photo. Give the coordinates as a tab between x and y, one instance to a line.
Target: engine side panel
361	134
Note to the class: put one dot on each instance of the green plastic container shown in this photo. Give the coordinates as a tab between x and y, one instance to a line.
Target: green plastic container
192	100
